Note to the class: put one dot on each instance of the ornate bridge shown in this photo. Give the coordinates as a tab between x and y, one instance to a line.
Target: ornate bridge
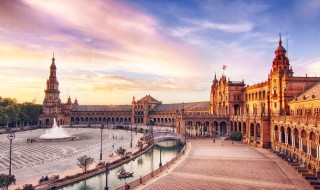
167	135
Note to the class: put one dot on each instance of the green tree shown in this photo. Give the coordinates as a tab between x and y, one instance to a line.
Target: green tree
6	180
84	162
236	136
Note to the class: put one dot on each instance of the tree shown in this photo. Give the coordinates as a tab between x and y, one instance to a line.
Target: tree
236	136
6	180
84	161
121	152
27	187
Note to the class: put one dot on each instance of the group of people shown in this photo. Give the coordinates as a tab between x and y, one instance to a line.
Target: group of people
29	140
44	178
214	141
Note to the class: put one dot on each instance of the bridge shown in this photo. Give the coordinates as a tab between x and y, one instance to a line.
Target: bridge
167	135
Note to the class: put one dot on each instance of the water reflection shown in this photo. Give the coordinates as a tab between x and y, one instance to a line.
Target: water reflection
141	166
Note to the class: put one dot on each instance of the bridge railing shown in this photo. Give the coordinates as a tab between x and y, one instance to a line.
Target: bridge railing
153	173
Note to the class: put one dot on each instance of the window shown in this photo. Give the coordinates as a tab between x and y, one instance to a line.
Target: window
275	105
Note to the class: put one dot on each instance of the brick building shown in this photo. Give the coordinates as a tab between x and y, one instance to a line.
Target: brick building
280	113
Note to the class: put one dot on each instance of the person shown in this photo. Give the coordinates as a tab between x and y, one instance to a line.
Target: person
232	142
222	143
214	140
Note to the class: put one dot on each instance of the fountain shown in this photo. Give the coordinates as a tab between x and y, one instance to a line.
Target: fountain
56	133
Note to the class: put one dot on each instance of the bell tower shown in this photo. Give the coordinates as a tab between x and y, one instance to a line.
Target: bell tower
278	78
51	103
213	95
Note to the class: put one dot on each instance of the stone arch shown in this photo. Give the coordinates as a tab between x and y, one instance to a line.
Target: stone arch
223	128
283	137
304	140
47	122
258	130
244	128
289	135
296	137
276	132
312	138
216	126
236	109
231	126
251	130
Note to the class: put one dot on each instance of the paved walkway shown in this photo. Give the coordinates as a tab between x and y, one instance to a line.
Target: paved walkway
31	161
208	165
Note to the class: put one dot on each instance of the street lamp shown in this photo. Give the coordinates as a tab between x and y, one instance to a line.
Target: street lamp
160	164
10	136
131	136
185	132
107	171
101	129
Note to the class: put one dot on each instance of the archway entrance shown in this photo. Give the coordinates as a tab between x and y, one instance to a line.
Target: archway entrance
223	128
47	122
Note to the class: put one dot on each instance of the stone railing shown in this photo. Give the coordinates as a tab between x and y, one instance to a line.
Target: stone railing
153	173
307	120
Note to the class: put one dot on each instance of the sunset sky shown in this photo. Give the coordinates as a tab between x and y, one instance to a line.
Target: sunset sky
108	51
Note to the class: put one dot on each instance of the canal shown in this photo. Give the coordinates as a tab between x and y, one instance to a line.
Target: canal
141	166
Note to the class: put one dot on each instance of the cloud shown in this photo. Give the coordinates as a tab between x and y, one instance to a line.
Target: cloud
225	27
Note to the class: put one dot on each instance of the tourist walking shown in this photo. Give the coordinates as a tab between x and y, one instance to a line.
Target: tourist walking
222	143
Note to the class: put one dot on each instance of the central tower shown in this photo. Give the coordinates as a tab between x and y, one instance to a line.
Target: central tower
51	103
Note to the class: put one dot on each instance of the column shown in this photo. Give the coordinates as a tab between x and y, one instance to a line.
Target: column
274	135
293	142
286	138
309	146
300	143
318	147
280	134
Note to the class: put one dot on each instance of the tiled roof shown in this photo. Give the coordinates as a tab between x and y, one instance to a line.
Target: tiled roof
148	98
312	93
187	106
102	108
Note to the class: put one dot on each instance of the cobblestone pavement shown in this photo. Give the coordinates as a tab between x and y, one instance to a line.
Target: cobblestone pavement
32	160
237	166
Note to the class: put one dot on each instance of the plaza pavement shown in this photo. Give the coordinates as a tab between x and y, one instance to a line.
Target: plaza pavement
208	165
30	161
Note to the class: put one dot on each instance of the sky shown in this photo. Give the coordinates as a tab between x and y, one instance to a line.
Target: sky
106	52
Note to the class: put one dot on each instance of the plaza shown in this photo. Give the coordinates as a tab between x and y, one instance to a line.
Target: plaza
208	165
30	161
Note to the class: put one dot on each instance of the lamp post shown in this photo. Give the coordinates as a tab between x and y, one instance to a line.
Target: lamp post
101	129
185	132
10	136
107	171
131	136
160	164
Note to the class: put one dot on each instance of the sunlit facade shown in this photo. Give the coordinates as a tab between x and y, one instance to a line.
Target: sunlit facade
280	113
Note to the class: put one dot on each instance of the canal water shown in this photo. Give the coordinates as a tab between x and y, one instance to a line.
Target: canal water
141	166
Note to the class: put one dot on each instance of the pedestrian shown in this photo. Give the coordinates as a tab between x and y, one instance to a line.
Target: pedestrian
222	143
214	140
232	142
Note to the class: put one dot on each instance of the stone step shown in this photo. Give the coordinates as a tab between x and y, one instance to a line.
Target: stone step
306	174
282	155
295	164
299	168
316	187
303	171
309	178
314	182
